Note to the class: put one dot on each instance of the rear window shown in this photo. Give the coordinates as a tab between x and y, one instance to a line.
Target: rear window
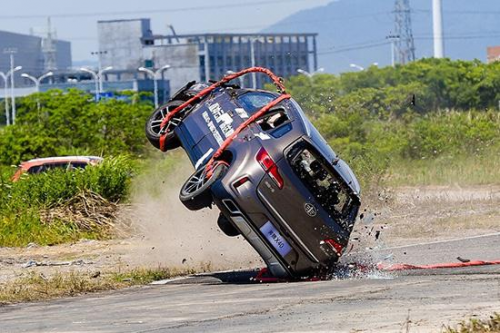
318	176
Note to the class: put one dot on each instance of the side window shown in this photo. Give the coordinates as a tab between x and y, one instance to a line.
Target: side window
36	169
64	165
273	119
78	165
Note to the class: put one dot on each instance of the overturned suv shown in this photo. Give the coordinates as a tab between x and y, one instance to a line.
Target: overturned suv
264	165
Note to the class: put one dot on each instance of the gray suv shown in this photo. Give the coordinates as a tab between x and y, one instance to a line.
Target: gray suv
263	164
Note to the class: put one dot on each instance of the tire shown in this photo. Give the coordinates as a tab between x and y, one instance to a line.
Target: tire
195	193
153	126
227	228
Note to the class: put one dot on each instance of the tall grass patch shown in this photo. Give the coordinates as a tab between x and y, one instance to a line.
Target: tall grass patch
38	208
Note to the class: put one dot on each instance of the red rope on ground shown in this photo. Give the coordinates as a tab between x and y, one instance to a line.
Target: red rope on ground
275	79
403	267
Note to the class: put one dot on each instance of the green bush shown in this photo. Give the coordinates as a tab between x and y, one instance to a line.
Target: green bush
22	202
431	109
71	123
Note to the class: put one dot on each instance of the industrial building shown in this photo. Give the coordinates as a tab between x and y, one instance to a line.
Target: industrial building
36	55
129	44
493	54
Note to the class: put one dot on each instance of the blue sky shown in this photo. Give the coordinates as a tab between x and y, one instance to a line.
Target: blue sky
76	20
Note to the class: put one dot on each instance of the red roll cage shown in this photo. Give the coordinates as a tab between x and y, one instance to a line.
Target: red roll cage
277	81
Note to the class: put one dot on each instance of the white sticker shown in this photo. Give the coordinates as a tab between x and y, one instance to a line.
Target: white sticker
226	119
203	158
241	112
216	111
263	136
212	128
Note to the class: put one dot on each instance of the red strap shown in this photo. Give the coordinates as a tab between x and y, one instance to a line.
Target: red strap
401	267
275	79
240	128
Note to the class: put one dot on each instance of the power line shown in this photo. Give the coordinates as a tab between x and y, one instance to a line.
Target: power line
471	12
354	48
251	27
377	43
149	11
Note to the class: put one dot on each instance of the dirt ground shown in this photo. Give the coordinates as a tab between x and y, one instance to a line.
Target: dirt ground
169	235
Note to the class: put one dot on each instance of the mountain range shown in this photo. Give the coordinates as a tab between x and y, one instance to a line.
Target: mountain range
355	31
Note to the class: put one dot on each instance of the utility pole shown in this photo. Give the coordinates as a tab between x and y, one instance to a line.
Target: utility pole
437	19
252	59
394	39
49	48
11	52
405	44
207	60
6	97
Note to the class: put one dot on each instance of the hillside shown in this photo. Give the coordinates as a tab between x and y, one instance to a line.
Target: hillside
354	31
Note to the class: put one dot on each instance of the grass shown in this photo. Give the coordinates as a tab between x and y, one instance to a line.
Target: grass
36	287
491	325
62	206
463	170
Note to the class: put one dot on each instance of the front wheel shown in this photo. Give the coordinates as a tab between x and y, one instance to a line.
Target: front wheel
195	193
153	126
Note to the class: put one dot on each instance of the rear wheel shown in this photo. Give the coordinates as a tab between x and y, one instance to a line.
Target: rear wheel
153	126
195	193
226	226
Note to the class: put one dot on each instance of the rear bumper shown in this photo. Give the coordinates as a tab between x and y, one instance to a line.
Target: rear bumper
252	236
241	209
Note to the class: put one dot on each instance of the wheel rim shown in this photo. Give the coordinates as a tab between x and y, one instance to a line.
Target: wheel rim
196	182
155	125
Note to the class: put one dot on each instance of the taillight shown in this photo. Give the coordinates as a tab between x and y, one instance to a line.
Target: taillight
270	167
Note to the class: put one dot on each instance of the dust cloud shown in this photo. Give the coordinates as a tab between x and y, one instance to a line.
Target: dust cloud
170	235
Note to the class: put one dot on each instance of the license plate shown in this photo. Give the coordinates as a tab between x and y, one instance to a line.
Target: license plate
276	240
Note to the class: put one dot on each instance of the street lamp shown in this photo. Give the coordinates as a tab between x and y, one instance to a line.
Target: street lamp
357	67
310	74
100	74
5	78
156	76
37	83
239	77
97	79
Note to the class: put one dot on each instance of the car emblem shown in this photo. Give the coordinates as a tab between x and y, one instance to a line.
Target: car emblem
310	209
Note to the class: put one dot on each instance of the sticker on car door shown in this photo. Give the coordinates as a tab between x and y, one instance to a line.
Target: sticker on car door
275	238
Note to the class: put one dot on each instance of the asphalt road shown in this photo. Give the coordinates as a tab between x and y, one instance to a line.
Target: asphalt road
418	301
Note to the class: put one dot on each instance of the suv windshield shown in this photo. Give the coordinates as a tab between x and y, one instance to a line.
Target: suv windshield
318	176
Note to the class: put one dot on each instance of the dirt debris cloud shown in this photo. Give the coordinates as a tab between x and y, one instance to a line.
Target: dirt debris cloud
171	235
